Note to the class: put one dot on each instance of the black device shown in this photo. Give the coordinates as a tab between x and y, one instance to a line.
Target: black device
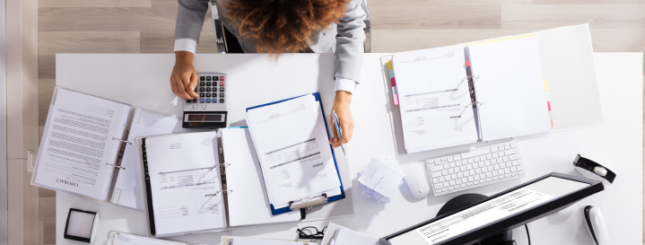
593	170
210	110
473	219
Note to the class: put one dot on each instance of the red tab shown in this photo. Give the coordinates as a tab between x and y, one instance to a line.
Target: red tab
549	103
393	82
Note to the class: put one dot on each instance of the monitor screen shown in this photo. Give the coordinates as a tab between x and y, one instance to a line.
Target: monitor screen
490	211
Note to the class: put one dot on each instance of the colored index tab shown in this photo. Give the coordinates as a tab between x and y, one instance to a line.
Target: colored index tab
389	65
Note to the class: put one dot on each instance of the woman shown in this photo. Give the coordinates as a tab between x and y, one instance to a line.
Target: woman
275	27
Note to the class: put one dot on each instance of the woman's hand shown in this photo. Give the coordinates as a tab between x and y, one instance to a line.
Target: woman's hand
341	107
183	79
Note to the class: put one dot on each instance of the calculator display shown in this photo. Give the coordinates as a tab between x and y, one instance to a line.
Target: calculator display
204	118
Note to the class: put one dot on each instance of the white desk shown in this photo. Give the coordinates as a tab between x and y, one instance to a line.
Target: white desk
142	80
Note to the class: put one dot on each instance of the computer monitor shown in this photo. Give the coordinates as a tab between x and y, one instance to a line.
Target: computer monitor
499	213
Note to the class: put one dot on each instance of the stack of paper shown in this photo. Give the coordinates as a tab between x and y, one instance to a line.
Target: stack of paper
381	179
251	241
129	239
346	236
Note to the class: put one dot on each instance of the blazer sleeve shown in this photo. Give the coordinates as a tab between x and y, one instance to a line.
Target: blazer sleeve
190	18
350	39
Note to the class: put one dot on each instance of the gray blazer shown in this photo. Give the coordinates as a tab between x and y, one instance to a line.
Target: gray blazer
345	39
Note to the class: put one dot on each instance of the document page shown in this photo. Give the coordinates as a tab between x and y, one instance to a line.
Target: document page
78	143
346	236
127	239
293	148
248	203
186	182
252	241
127	189
511	87
434	98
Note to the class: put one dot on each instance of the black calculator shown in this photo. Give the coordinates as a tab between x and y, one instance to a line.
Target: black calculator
209	110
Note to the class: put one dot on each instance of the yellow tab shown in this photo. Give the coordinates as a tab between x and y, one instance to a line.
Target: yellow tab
503	39
389	65
546	85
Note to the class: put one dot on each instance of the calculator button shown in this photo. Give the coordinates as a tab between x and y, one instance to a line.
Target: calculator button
189	101
208	78
208	83
195	90
201	89
201	100
221	100
221	78
221	95
194	100
209	100
208	95
202	83
215	78
221	83
201	94
221	89
208	89
202	78
214	95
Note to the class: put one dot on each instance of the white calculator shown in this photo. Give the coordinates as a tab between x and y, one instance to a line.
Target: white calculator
209	110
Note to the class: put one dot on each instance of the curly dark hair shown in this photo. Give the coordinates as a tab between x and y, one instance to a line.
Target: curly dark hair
284	26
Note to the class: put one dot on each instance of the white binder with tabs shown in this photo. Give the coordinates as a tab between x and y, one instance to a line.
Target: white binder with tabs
199	182
88	149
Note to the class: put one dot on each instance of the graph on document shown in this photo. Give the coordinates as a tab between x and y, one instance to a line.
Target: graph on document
293	153
188	177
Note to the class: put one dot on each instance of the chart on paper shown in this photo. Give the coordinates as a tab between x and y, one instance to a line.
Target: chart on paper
293	153
187	178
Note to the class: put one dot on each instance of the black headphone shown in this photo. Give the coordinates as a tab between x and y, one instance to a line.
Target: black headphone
593	170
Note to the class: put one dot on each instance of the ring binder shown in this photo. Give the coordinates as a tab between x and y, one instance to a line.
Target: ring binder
124	141
116	166
221	191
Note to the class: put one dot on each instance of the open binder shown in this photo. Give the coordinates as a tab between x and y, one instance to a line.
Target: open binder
80	126
294	151
82	144
460	94
222	163
122	238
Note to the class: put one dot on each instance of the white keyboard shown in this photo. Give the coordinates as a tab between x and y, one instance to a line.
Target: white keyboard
478	167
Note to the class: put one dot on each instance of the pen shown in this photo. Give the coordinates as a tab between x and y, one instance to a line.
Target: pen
338	130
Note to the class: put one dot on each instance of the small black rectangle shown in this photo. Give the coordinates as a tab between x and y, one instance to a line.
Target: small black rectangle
215	78
208	78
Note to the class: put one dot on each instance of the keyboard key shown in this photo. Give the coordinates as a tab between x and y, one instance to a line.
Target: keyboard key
214	95
456	157
201	100
221	95
221	89
194	100
429	161
516	162
208	100
507	146
221	100
436	168
189	101
451	171
215	78
208	89
444	172
202	83
475	153
440	185
208	95
514	157
202	89
202	94
452	164
435	181
489	156
208	78
450	159
513	144
202	78
442	179
459	163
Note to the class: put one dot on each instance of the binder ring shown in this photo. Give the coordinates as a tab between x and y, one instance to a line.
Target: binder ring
220	191
115	166
224	164
471	104
473	77
124	141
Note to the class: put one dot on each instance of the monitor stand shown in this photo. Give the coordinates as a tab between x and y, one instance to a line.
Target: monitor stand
468	199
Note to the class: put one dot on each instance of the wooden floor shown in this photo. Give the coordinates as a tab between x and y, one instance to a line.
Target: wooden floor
147	26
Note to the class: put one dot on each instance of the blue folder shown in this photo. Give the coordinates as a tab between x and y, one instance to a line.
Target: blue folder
342	190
